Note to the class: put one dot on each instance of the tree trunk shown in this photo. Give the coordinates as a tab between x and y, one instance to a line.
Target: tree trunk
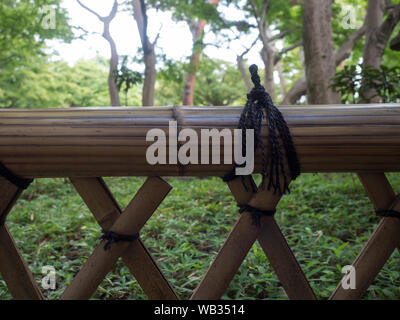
282	82
197	29
150	75
267	55
244	73
112	87
378	34
188	89
150	72
372	56
319	52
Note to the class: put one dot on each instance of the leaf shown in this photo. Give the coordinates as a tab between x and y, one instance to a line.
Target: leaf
338	249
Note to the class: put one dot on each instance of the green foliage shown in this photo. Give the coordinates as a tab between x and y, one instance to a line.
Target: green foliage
126	78
354	80
188	10
56	84
218	83
326	220
23	30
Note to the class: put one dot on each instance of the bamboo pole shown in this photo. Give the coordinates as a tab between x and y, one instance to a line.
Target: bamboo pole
284	263
92	142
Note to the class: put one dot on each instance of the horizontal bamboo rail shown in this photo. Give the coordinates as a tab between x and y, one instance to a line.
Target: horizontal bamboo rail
94	142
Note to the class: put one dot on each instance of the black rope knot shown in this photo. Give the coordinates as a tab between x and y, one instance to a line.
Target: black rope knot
388	213
112	237
254	75
259	105
256	213
230	176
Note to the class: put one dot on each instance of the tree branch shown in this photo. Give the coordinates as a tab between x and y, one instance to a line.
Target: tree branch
254	9
114	10
386	29
105	19
345	50
113	90
283	34
261	22
243	72
140	15
264	11
249	48
90	10
158	35
279	55
242	69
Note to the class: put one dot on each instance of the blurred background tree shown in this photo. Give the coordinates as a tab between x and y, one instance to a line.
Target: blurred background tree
24	28
278	34
218	83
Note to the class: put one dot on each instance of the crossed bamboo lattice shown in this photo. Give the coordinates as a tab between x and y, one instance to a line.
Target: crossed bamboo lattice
95	193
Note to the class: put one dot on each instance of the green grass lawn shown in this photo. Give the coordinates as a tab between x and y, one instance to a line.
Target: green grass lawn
326	220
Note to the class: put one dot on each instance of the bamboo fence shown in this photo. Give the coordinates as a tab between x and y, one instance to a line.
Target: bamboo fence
86	144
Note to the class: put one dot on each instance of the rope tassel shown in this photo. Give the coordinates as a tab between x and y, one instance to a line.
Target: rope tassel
259	105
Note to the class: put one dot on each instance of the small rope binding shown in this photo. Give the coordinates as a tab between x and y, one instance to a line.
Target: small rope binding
112	237
16	180
388	213
256	213
259	105
19	182
231	175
